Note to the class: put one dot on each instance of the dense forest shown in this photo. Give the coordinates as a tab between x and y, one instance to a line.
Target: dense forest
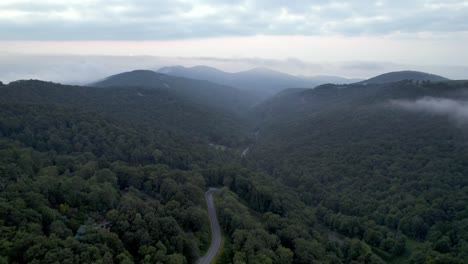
392	177
337	174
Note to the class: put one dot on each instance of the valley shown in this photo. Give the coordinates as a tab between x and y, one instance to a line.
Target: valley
233	132
365	172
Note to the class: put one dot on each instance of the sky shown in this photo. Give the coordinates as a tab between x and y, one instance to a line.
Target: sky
81	40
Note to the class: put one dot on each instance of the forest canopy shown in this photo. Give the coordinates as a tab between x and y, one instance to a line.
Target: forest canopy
338	174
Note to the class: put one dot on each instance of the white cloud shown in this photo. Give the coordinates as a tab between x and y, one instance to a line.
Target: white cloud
182	19
456	109
86	69
321	32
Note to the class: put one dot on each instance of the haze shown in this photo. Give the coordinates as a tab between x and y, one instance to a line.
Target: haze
251	131
79	41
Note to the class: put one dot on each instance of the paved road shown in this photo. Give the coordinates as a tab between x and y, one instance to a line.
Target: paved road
245	151
215	230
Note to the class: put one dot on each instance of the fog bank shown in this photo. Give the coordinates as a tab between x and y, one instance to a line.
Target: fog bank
456	109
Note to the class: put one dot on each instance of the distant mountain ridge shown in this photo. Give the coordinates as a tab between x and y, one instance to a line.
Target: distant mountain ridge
139	78
211	119
404	75
260	80
199	91
332	79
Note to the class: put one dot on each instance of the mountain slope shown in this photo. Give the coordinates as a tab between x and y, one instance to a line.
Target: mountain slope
263	81
380	159
151	107
405	75
197	91
78	183
137	78
99	175
359	173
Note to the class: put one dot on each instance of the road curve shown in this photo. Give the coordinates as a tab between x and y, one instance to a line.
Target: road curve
215	229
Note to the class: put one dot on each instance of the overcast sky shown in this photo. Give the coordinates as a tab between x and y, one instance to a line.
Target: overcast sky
301	37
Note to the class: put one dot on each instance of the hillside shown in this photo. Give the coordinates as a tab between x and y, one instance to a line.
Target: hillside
137	78
118	174
198	73
262	81
405	75
151	107
78	185
358	173
380	162
197	91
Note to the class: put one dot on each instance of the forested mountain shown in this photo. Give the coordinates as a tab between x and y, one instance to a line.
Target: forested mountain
354	173
146	106
86	177
80	188
404	75
198	91
383	163
262	81
198	73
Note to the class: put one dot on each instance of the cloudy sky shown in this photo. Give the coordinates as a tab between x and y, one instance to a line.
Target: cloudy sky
349	38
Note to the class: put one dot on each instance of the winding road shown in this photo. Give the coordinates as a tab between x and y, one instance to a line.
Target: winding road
215	229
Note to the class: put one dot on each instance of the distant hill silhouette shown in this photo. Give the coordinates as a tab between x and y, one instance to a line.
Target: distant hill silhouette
405	75
140	78
262	81
199	91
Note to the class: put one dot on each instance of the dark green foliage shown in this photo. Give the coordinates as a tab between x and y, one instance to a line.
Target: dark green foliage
196	91
375	171
338	174
82	188
404	75
144	107
260	82
100	187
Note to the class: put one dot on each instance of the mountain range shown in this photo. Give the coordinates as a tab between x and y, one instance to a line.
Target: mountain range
194	111
239	90
263	81
199	91
115	172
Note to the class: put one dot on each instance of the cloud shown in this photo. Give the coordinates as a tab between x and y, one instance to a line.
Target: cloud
293	65
182	19
88	68
71	69
456	109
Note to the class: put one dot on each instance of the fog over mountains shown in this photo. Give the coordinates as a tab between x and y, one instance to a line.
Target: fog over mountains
260	79
367	172
72	69
233	132
245	88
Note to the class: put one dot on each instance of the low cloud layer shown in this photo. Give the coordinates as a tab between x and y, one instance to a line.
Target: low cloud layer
456	109
85	69
182	19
